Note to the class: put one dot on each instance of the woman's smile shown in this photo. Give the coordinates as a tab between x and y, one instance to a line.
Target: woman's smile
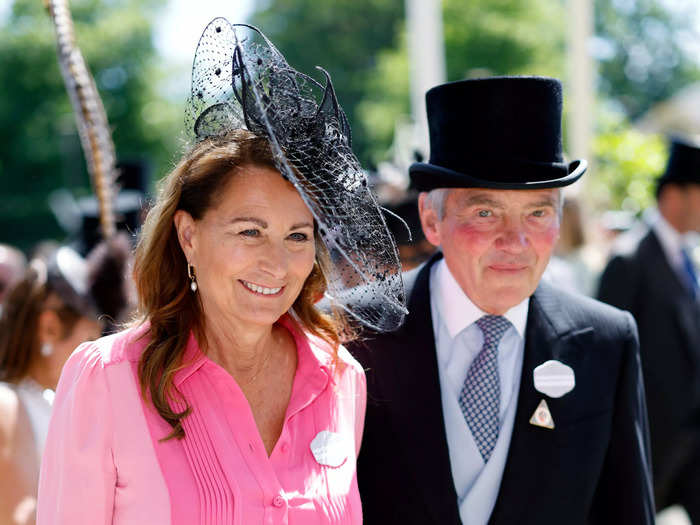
261	290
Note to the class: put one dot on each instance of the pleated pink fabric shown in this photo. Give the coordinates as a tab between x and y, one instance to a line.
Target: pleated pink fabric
105	461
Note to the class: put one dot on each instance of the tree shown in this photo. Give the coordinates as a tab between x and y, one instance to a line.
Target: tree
362	44
646	51
342	36
627	164
482	38
41	151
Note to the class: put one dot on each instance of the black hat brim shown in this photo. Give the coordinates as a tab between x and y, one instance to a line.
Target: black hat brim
426	177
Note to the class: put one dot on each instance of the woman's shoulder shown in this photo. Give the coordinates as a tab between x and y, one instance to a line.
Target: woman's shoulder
9	410
120	347
324	352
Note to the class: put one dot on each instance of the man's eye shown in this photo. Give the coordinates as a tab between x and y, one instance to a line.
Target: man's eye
250	233
539	213
484	213
299	237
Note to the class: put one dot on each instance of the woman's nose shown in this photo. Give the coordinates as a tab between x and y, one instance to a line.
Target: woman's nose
275	260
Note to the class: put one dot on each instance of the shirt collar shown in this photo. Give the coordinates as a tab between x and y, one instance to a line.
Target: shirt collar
192	360
314	364
457	311
670	239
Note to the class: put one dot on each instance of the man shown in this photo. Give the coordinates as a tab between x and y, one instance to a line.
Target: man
501	400
653	277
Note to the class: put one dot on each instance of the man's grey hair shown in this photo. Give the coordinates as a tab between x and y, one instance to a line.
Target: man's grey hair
436	199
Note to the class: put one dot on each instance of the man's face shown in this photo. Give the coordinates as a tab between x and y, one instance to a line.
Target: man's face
496	243
691	205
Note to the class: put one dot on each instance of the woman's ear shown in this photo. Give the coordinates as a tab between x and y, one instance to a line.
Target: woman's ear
186	233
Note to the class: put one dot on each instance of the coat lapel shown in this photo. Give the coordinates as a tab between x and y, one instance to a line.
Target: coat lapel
549	335
417	404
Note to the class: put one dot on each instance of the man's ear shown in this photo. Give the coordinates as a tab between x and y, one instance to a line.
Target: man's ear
186	234
429	220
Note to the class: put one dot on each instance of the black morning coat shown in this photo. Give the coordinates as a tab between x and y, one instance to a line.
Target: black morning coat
592	468
640	279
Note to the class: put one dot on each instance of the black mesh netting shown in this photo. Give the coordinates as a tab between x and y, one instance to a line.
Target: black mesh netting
240	80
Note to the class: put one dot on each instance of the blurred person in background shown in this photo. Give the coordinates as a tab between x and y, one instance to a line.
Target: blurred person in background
53	308
12	266
653	276
231	400
568	268
414	248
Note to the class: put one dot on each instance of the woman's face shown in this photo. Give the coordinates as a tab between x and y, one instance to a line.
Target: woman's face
253	250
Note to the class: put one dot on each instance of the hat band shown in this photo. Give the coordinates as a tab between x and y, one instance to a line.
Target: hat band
507	170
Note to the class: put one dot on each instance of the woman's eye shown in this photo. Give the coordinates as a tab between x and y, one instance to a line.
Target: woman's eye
250	233
299	237
484	213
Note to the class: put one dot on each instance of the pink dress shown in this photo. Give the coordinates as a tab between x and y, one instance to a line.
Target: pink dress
104	461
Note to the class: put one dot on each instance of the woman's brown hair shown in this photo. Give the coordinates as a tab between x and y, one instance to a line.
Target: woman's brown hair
160	268
19	322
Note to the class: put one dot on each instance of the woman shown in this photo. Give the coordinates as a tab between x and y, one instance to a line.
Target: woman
231	401
51	310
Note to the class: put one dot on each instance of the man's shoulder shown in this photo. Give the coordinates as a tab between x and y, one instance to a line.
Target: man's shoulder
581	311
416	288
635	245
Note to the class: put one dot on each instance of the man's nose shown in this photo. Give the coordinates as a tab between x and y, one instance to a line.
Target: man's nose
513	238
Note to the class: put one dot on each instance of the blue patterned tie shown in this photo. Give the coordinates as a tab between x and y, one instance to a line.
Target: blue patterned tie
690	275
480	397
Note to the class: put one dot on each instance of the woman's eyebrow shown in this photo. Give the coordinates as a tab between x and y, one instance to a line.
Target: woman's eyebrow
254	220
302	225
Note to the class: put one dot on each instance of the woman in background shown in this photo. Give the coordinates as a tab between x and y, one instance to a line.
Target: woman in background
46	315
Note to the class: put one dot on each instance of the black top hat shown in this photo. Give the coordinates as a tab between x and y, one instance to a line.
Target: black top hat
501	132
683	163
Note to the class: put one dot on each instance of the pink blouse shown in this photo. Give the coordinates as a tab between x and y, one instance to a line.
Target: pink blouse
104	461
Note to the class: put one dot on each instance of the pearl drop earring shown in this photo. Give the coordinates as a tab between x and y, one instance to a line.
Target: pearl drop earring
46	349
190	274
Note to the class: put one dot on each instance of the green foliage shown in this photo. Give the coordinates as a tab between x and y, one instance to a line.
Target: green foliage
363	44
342	36
482	38
647	51
627	162
41	150
504	37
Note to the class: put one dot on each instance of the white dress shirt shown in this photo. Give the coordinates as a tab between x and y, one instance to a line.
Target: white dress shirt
671	242
458	341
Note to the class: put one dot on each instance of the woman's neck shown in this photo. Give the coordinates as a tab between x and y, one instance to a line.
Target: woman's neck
243	351
43	374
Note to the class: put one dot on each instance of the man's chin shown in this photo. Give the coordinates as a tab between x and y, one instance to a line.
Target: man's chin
502	298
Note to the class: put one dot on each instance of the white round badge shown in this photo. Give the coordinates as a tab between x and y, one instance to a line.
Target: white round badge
554	378
329	448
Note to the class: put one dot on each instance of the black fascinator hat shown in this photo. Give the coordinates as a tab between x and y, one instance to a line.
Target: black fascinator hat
240	80
500	132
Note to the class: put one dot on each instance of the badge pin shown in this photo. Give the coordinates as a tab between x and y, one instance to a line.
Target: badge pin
542	416
554	378
329	449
